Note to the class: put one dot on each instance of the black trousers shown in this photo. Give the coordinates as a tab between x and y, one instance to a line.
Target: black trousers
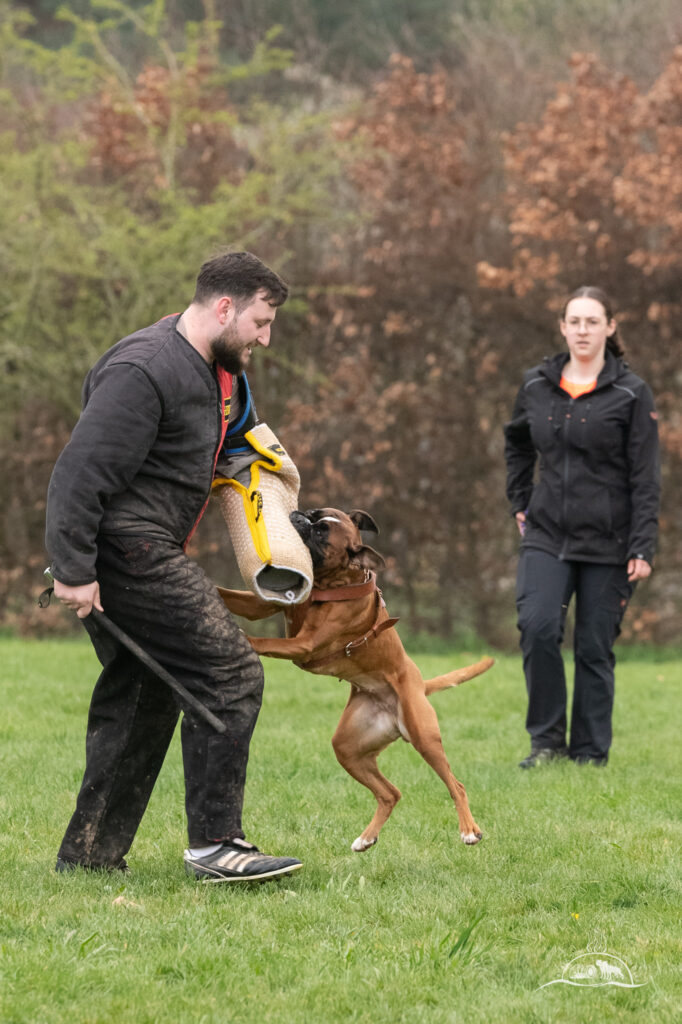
544	589
165	602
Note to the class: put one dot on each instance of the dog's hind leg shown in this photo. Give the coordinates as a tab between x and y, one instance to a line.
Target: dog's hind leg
421	724
457	676
364	730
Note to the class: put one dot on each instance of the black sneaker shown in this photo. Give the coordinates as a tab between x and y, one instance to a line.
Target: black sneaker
239	861
542	755
66	866
598	761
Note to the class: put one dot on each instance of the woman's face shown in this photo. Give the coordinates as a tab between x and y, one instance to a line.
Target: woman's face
586	327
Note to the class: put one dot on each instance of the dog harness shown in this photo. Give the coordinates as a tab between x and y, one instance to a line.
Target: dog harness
351	592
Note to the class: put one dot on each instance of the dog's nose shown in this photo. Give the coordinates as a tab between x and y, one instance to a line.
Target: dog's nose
300	523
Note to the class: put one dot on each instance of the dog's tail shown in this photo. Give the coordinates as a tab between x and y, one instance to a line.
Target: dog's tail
457	676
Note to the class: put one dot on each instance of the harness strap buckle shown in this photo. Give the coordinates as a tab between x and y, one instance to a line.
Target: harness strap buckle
352	644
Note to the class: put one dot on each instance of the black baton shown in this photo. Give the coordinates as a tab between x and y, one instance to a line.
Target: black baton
158	670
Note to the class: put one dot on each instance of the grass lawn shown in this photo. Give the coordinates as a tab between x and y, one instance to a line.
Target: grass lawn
575	860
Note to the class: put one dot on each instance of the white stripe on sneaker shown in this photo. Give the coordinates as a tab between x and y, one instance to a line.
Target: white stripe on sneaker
227	859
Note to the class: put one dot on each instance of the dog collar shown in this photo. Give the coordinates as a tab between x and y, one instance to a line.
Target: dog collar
351	592
348	593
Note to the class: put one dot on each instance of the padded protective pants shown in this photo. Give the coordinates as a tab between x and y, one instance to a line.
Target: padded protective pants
544	589
170	607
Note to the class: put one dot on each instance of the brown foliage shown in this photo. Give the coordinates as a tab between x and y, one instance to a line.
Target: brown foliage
415	178
560	175
649	191
414	382
594	191
427	357
593	195
172	127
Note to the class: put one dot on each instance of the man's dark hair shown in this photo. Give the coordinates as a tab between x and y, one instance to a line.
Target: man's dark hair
241	275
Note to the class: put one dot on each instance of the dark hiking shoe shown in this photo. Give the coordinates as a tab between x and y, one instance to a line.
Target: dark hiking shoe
542	755
67	866
599	761
239	861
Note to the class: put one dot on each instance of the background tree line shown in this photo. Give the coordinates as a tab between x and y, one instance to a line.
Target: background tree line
431	176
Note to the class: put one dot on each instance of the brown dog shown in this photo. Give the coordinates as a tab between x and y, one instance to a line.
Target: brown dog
343	630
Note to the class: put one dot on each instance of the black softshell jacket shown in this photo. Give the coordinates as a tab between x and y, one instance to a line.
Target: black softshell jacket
140	459
596	497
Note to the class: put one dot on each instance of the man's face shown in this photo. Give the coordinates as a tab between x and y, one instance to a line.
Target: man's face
242	332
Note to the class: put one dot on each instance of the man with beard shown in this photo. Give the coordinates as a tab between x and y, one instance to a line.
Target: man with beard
125	496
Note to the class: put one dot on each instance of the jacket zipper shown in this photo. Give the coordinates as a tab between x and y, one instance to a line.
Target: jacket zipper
566	475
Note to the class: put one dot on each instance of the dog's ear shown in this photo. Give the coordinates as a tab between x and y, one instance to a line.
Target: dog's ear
363	520
367	558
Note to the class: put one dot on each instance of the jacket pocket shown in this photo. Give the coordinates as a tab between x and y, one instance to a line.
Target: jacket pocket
544	506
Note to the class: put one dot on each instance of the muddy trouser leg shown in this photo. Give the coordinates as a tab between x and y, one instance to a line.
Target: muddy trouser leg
169	606
543	590
602	595
130	725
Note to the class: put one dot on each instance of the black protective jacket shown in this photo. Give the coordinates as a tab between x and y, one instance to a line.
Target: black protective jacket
596	497
142	455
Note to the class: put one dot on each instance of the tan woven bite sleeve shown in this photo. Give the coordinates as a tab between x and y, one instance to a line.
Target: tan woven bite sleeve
273	560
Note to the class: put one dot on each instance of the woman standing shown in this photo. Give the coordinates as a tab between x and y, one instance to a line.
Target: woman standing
588	524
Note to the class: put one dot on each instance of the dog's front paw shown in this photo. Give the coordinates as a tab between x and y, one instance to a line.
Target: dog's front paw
359	845
471	838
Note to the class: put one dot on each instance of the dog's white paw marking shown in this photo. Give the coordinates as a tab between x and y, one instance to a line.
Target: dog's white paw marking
360	844
470	838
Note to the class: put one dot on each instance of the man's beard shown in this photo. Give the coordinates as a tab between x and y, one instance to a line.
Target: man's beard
228	350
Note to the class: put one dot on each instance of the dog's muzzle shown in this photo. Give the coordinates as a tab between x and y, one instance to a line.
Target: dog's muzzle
301	524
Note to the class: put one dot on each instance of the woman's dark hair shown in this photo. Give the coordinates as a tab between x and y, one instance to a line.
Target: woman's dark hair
613	344
240	275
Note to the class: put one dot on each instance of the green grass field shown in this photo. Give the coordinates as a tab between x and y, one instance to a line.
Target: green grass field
418	929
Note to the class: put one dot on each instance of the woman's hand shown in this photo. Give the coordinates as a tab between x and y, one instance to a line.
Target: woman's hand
638	569
520	518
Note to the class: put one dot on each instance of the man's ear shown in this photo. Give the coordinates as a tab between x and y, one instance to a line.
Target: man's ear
363	520
367	558
224	307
